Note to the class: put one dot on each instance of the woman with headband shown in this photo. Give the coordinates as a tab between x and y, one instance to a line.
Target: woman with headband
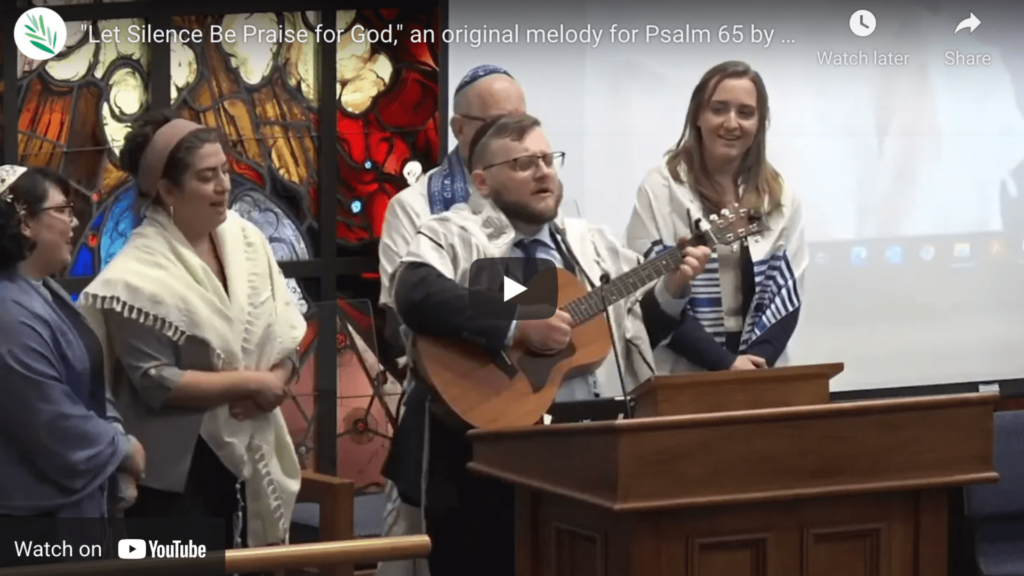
201	334
63	447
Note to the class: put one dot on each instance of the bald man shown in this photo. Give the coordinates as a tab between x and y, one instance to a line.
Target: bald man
483	93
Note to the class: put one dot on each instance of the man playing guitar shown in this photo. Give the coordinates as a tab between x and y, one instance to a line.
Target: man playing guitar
513	213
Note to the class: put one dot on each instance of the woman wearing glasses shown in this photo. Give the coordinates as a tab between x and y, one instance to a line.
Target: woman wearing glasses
63	451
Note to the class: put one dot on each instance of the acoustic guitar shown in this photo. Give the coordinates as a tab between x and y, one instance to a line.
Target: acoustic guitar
486	394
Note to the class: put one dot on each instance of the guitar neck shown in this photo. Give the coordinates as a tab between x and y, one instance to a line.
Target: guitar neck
724	229
595	302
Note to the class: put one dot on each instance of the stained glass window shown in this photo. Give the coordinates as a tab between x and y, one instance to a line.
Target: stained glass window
76	109
388	118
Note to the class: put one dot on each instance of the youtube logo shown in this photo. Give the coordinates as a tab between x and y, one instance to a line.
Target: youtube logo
497	290
131	549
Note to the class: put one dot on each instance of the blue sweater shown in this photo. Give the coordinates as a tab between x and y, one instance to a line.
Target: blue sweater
60	445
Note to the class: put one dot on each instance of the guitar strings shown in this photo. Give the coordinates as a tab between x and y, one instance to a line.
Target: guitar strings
592	304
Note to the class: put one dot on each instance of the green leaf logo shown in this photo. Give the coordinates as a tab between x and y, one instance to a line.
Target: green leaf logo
41	37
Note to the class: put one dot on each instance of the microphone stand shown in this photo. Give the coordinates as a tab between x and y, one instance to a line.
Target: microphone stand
605	279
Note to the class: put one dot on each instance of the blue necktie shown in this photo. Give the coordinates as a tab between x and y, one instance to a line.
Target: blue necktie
529	248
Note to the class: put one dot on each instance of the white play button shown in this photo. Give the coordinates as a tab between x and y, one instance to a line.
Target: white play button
497	292
512	289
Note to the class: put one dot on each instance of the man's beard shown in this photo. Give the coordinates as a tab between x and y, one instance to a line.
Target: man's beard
525	213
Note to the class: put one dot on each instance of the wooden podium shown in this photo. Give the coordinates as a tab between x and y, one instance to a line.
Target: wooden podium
822	489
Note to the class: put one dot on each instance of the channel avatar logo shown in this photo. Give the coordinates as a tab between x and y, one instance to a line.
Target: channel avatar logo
40	34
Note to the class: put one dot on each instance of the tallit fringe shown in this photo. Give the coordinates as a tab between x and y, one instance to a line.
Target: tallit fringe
116	304
257	266
266	479
132	312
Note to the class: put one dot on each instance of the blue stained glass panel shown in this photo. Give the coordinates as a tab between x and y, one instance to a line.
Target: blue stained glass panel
121	219
284	236
84	263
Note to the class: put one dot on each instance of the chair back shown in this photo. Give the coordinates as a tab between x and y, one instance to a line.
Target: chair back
997	510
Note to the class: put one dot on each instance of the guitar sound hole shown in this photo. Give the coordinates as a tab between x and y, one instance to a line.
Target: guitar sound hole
537	368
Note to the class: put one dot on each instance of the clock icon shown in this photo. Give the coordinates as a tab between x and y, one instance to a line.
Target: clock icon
862	23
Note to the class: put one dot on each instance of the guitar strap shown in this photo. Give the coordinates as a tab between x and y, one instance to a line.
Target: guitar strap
569	260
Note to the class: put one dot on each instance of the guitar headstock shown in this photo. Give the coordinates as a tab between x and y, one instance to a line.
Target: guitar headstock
731	225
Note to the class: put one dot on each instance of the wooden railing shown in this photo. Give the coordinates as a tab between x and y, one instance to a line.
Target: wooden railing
364	551
267	559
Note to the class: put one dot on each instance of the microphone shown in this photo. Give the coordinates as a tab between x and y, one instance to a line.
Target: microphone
605	279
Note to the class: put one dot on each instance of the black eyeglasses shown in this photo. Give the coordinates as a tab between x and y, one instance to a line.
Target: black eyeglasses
475	118
65	210
532	162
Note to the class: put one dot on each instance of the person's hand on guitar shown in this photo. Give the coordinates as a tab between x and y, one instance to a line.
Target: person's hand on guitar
695	258
547	336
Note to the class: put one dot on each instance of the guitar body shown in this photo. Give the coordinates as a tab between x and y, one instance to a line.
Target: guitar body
484	396
487	395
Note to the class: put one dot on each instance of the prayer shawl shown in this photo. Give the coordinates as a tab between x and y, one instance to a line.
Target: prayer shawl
436	192
449	185
159	280
452	241
662	215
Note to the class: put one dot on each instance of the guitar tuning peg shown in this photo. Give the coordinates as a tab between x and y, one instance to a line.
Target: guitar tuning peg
713	218
725	212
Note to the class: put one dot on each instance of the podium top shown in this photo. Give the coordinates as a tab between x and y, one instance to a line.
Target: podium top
823	371
706	392
750	456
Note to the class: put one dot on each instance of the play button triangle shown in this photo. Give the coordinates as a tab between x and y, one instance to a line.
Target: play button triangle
512	288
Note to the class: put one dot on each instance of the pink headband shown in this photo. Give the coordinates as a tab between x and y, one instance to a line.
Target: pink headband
155	157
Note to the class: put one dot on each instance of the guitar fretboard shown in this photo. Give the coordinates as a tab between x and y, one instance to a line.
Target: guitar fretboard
722	232
598	300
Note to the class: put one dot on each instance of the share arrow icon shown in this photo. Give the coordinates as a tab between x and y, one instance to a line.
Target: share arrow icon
512	288
970	23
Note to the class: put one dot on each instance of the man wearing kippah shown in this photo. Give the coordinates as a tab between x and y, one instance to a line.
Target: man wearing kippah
484	92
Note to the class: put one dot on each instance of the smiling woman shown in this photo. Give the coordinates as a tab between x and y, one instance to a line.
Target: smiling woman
746	304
